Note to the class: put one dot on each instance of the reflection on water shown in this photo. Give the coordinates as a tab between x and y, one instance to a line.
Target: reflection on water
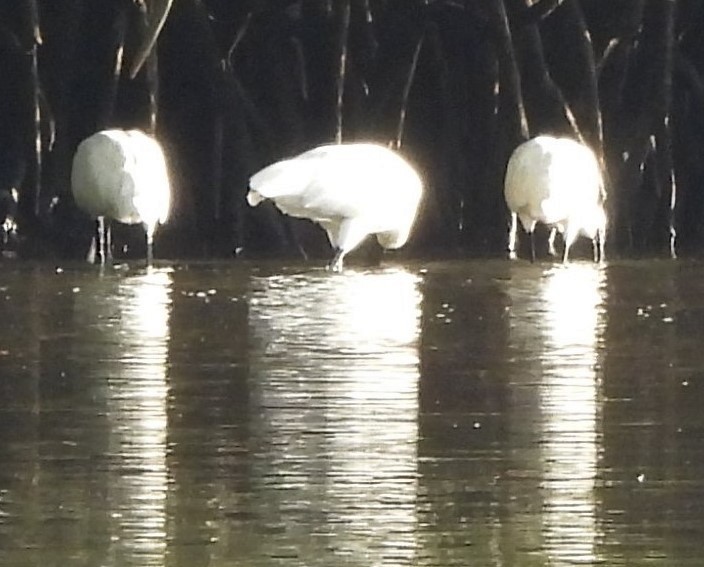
124	322
557	320
463	413
136	406
574	309
335	379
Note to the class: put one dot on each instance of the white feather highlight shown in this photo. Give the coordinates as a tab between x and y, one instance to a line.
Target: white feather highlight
351	190
557	182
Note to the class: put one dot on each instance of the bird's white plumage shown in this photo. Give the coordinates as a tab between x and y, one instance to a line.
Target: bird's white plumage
351	190
558	182
122	175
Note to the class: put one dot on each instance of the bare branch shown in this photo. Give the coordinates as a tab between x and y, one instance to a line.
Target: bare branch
158	13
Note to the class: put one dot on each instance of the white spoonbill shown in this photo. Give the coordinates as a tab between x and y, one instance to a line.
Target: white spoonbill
558	182
121	175
351	190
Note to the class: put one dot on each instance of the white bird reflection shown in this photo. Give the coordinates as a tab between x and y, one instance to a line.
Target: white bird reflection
129	323
139	398
573	324
335	394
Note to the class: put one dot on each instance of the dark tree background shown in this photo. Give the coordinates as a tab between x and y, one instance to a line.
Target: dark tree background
454	84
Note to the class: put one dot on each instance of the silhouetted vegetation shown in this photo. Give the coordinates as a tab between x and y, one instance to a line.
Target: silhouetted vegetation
456	84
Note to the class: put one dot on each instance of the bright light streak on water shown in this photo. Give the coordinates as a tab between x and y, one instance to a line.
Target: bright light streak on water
335	376
136	410
211	415
573	325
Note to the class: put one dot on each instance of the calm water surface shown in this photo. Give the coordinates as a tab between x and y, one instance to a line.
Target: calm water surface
443	414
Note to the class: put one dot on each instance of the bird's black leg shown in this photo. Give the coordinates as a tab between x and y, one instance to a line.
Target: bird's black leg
108	241
512	236
150	245
598	246
335	264
104	241
99	239
91	256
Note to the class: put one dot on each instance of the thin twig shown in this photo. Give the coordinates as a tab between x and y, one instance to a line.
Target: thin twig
340	87
407	91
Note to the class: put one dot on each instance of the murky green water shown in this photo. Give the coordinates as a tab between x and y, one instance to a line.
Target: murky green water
451	414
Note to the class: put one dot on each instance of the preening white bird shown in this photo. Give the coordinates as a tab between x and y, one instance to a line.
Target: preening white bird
121	175
558	182
352	190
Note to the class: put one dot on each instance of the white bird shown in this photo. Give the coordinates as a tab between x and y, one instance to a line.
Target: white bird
352	190
557	182
121	175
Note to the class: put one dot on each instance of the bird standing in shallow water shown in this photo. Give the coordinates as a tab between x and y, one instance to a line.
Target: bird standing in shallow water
558	182
352	190
121	175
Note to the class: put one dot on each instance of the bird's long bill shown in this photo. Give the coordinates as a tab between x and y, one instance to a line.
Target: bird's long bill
157	11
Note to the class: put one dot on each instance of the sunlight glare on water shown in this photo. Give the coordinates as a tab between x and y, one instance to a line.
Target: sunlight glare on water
447	414
335	379
136	410
574	312
557	323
